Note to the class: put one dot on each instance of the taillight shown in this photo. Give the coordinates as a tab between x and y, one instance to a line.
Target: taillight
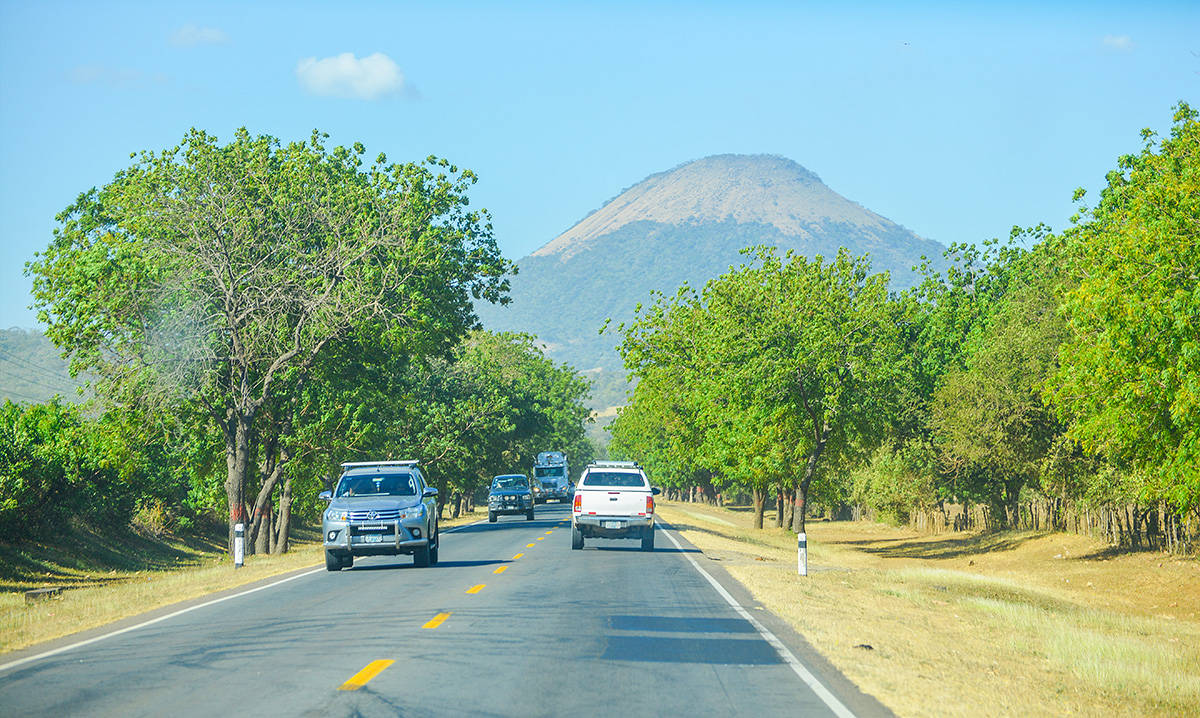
578	503
650	504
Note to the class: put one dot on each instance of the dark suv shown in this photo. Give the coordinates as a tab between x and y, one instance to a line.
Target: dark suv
380	508
510	494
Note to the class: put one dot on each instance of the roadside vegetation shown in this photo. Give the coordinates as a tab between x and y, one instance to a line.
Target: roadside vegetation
250	314
1049	382
973	623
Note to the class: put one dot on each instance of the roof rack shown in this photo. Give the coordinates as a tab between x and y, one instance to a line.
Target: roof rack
357	464
617	464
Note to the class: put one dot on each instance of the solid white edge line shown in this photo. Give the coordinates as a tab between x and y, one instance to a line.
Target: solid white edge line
465	526
30	659
784	652
47	654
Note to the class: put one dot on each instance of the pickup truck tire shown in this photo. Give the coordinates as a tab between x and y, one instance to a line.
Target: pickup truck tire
576	538
648	539
437	543
529	515
421	556
492	517
333	562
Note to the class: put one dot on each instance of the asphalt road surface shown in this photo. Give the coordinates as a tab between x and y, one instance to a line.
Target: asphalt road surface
512	622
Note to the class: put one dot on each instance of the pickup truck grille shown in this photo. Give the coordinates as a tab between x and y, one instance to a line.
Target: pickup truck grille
375	515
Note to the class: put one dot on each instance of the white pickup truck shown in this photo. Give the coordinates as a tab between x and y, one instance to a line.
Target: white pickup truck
614	500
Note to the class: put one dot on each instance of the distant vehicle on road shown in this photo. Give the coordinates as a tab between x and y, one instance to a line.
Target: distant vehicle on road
613	500
510	494
380	508
550	471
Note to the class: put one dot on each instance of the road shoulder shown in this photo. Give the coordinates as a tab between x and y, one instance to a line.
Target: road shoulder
859	703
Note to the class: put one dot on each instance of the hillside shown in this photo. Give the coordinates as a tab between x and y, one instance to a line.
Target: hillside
685	225
31	369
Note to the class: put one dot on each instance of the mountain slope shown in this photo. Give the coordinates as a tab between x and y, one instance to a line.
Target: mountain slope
688	224
31	369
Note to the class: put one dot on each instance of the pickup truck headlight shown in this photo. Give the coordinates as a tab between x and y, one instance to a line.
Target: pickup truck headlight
335	515
413	512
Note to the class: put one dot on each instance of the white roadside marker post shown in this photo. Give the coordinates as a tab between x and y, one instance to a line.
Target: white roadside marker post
802	554
239	545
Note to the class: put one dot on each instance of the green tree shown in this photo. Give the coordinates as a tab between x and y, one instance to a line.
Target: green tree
217	276
782	359
1129	373
991	422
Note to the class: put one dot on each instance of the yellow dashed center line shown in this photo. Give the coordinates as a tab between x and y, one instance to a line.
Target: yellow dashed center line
550	532
541	538
501	569
518	556
530	545
360	679
476	588
436	620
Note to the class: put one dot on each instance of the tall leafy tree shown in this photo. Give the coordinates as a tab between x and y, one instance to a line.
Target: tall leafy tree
989	416
1129	375
218	275
784	358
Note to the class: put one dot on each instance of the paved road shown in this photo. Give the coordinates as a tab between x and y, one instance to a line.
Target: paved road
512	622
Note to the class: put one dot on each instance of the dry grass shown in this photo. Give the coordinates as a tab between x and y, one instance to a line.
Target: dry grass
976	625
162	573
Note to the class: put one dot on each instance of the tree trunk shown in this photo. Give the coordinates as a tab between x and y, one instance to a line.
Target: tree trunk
271	468
760	499
789	506
237	464
283	526
779	508
262	527
810	470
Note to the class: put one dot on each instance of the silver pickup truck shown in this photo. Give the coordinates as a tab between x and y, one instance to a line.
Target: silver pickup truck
613	500
380	508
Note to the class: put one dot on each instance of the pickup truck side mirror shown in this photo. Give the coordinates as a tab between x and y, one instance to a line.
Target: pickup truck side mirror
429	491
656	491
325	496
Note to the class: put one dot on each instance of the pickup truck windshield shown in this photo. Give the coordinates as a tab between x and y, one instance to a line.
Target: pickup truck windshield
510	482
627	479
548	471
377	485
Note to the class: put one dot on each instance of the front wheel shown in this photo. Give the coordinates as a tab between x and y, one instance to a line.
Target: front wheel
437	543
491	517
421	556
576	538
333	562
529	515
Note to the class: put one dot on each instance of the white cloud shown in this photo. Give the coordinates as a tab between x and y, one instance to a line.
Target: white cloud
344	75
194	36
1121	43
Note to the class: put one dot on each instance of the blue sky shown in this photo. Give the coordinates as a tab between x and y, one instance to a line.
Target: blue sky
956	121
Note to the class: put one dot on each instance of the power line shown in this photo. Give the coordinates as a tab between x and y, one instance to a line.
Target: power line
48	373
19	395
4	351
61	389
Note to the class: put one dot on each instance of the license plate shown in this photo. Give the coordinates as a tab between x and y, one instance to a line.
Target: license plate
373	538
614	524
